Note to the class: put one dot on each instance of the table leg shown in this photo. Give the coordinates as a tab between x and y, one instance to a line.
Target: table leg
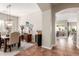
0	42
5	48
0	45
5	45
19	44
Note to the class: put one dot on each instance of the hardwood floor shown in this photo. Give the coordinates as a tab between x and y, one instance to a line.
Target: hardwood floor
38	51
62	49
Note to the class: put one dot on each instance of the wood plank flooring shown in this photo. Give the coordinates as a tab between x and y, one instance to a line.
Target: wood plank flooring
38	51
62	49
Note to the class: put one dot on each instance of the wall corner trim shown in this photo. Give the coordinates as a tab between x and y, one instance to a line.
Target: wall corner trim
47	47
77	46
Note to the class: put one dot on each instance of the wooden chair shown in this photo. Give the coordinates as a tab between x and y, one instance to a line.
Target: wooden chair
14	39
1	40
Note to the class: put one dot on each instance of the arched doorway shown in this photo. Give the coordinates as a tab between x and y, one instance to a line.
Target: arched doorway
66	28
48	14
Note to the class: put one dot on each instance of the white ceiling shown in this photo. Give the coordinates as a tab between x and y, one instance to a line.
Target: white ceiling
19	9
70	14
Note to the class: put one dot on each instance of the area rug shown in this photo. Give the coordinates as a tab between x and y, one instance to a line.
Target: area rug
24	46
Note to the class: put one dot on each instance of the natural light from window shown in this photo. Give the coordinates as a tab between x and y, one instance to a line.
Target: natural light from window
2	26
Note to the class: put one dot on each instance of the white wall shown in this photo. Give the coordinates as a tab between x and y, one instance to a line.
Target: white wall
35	19
46	29
48	35
77	33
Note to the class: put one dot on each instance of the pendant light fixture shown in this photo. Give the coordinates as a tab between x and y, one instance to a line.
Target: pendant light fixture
9	21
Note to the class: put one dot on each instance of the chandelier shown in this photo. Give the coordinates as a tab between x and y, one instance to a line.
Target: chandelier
9	21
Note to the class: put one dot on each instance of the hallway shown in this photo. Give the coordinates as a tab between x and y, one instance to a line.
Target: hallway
65	43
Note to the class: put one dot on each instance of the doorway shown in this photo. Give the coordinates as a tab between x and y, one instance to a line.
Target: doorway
66	30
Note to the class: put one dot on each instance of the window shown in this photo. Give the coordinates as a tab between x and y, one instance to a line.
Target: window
2	26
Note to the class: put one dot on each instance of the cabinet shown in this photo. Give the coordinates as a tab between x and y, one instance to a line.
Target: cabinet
26	37
29	38
22	37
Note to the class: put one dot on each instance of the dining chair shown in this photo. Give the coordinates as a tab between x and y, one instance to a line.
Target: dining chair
1	40
13	39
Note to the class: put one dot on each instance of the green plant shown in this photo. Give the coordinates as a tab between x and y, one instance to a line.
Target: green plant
73	30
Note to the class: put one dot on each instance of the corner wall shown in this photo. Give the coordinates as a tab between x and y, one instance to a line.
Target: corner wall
48	32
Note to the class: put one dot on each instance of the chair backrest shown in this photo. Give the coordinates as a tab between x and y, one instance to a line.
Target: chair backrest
14	38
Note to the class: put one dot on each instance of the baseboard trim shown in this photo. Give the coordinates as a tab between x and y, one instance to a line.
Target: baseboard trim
47	47
77	46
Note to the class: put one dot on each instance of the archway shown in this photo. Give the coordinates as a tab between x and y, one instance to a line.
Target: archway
51	17
68	21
